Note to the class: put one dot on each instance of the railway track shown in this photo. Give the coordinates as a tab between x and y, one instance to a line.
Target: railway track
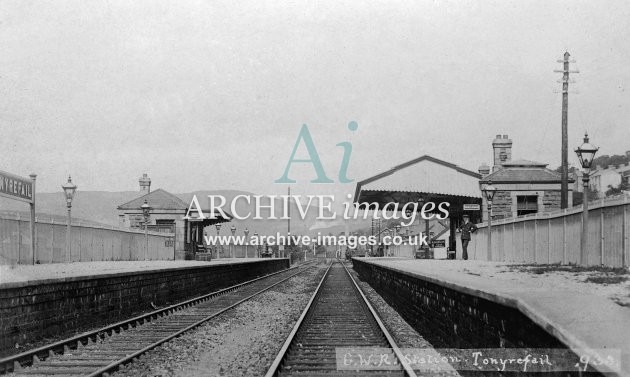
338	315
103	351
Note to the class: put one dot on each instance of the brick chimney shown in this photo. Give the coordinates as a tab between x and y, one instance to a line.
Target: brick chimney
502	150
145	184
484	170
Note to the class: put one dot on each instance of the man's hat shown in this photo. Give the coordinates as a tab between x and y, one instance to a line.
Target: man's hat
466	216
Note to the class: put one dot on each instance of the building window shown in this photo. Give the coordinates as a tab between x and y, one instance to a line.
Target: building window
164	226
526	204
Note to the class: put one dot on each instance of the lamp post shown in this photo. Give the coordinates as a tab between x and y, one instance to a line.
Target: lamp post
218	226
233	229
69	190
490	191
586	154
246	231
146	212
257	245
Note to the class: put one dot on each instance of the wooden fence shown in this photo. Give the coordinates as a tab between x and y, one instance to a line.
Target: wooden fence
554	237
89	242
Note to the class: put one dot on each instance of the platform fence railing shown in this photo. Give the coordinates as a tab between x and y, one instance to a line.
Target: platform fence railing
554	237
89	242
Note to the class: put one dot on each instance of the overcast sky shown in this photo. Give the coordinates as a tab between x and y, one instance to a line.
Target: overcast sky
212	94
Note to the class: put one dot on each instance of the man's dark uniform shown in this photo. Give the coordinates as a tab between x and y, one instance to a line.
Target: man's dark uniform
467	229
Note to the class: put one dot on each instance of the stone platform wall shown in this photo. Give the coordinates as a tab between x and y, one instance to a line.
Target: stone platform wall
31	311
451	319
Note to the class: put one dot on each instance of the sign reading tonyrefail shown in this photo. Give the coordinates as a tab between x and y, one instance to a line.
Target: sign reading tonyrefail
23	189
16	187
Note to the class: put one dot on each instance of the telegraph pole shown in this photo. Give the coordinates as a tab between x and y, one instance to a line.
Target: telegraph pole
564	184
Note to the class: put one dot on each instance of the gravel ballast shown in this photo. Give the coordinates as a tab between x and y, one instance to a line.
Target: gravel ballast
240	342
244	341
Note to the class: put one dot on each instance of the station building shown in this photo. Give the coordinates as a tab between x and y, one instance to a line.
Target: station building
167	212
523	187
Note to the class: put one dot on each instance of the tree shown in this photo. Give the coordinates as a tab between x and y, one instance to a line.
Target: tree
593	194
612	191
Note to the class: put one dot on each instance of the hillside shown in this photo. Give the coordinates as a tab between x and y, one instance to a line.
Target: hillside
606	160
100	207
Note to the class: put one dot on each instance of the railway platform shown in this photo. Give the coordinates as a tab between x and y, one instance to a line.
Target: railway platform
42	300
583	320
20	275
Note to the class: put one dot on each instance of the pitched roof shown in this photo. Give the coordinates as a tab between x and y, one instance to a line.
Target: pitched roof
158	199
525	163
424	174
524	174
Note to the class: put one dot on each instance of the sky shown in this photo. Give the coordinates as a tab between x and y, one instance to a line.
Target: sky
205	95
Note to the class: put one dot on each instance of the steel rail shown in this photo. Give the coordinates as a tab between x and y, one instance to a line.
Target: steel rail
403	360
27	358
106	370
281	354
274	368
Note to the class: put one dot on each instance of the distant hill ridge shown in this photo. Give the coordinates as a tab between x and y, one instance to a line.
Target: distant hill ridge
101	207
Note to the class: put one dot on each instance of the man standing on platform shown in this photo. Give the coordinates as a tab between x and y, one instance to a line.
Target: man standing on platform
467	229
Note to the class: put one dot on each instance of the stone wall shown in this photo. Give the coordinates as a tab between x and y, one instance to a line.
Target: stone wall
449	318
551	201
502	205
31	311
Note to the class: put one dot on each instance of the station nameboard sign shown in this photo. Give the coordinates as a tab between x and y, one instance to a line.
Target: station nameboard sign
471	207
438	243
16	187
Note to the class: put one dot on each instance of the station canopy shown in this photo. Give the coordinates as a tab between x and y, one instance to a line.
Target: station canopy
426	178
209	218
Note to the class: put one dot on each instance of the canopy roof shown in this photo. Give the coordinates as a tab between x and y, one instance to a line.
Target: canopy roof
426	175
209	218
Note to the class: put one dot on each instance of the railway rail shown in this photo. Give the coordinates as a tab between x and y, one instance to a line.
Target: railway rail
103	351
338	315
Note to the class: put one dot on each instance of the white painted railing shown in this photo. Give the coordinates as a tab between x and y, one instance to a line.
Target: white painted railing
554	237
89	242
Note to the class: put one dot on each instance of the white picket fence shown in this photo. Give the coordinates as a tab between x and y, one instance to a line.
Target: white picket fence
554	237
89	242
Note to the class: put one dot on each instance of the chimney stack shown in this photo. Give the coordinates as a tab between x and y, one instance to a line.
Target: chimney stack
502	150
145	184
484	170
